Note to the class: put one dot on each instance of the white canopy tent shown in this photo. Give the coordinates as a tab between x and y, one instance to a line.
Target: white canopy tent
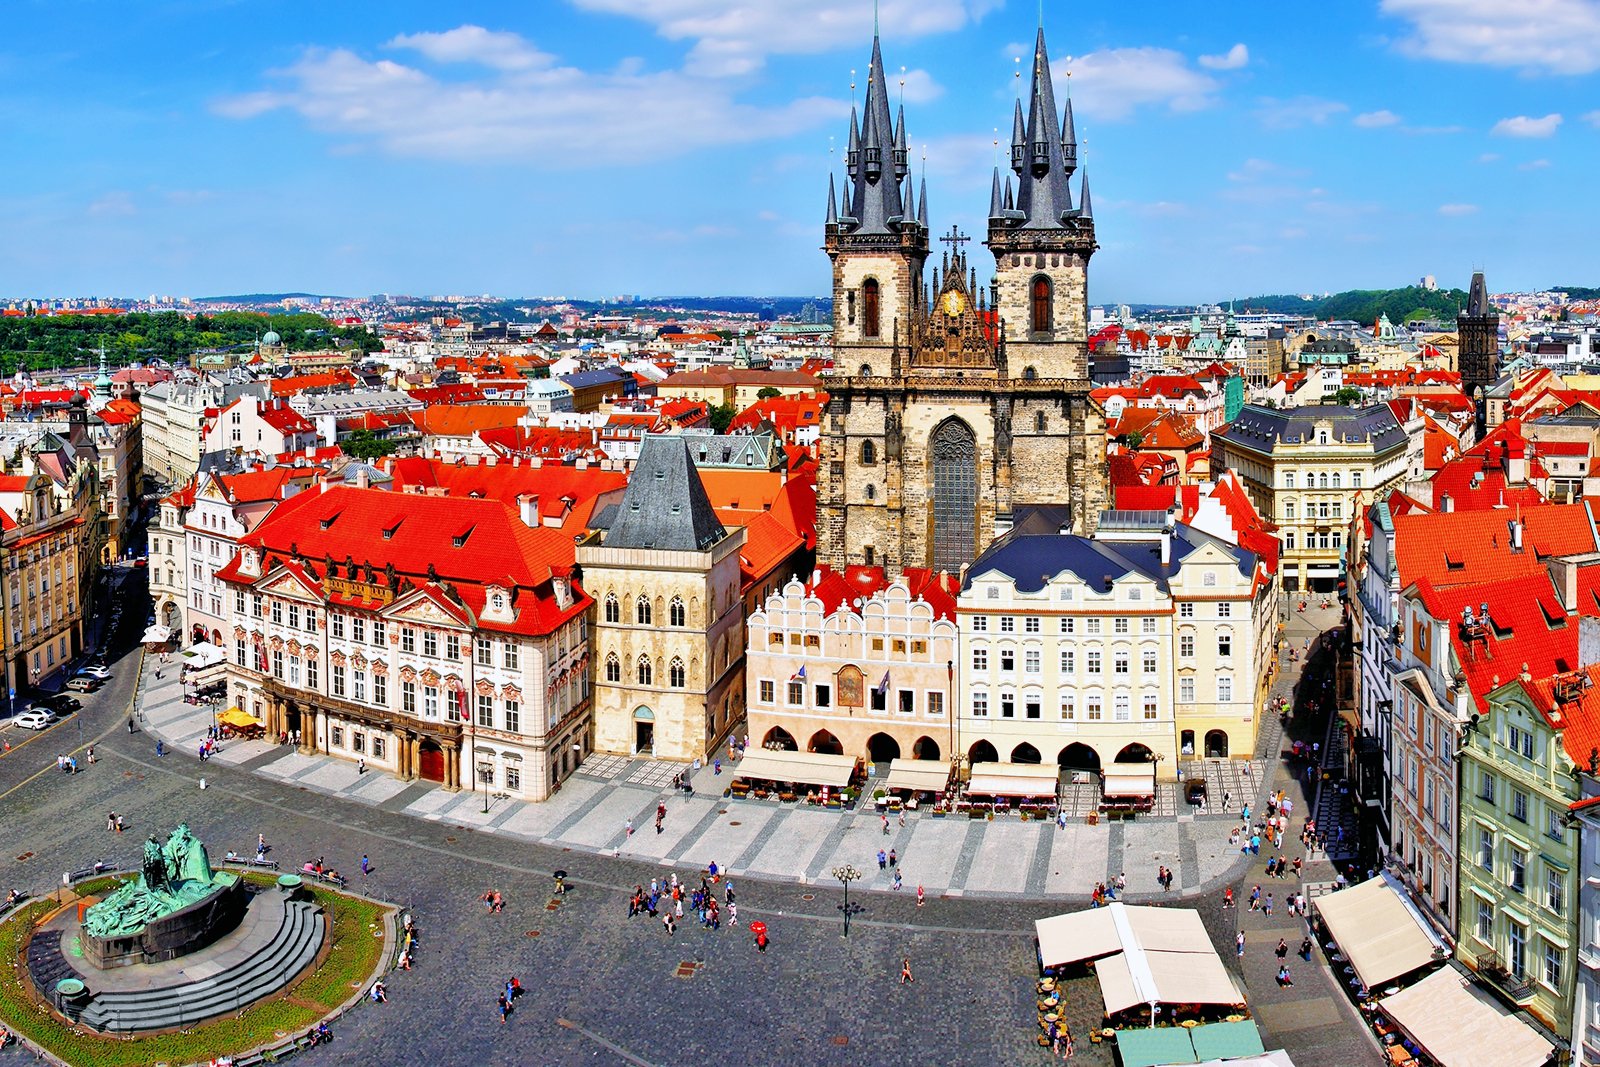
202	654
1130	780
1014	779
919	775
799	768
1376	929
1461	1026
156	634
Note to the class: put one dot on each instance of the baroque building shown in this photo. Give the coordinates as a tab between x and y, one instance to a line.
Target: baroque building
954	405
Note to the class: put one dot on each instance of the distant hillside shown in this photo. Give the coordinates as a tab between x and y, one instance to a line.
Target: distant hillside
263	298
1365	305
1577	292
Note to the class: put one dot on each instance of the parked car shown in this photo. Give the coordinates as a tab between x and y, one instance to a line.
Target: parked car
84	684
142	561
94	670
36	720
61	703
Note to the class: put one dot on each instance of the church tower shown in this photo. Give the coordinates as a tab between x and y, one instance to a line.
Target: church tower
1041	243
876	236
1478	339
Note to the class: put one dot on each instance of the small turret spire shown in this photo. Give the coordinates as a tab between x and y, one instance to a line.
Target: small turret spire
1019	140
833	215
1085	210
922	201
995	206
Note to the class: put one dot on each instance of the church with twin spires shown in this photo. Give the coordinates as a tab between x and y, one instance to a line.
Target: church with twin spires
957	406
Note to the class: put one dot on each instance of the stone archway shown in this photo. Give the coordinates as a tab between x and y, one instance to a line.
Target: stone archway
1135	753
779	738
982	752
1024	753
824	742
1216	744
883	748
1078	757
925	747
430	760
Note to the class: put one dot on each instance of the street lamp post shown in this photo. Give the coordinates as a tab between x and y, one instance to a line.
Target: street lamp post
846	873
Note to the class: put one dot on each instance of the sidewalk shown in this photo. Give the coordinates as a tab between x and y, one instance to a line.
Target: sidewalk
947	856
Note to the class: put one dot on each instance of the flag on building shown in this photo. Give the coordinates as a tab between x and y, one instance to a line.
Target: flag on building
799	675
883	686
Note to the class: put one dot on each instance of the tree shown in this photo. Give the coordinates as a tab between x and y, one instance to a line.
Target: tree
768	392
364	444
1135	439
722	417
1347	396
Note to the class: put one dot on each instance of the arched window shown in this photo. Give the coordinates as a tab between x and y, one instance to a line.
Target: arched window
675	673
850	308
953	457
613	668
613	609
1322	480
866	370
1039	292
646	674
869	308
1038	422
675	612
872	492
641	611
1029	374
1336	479
869	453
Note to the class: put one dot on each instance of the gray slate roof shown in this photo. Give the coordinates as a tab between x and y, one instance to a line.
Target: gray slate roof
665	505
1264	428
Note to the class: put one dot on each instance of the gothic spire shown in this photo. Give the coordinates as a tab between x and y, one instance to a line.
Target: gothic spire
994	196
1019	140
833	215
1043	194
922	204
1478	296
876	159
1069	137
1084	209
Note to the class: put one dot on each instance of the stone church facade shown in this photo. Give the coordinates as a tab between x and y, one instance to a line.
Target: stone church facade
955	407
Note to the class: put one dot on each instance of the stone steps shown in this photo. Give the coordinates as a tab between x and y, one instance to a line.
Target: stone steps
291	949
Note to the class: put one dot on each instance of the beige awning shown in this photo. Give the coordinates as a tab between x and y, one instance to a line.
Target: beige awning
1089	935
1130	780
1168	978
921	775
799	768
1377	931
1461	1026
1014	779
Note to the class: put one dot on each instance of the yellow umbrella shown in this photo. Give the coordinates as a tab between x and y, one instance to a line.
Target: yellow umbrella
238	717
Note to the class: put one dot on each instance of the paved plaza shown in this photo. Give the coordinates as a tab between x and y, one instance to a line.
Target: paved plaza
607	989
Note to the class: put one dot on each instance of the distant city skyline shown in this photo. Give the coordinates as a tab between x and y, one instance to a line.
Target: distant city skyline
594	147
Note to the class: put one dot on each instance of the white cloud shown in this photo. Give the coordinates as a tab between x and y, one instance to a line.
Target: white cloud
523	105
1456	210
1276	114
474	44
1534	164
112	205
1524	126
918	87
1592	118
1489	157
1113	82
1371	120
733	39
1534	36
1232	59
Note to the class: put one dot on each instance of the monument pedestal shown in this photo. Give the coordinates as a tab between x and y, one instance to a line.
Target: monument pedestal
187	930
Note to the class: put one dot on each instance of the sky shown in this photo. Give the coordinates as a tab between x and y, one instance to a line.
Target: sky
591	148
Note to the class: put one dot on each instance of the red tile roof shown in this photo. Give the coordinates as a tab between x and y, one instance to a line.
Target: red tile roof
939	589
1462	547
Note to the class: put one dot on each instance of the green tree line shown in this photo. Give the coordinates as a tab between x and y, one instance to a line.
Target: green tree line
56	341
1366	305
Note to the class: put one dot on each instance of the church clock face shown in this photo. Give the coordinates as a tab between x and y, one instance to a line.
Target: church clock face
954	303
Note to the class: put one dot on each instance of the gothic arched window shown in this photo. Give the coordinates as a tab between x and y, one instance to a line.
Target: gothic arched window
645	671
1029	374
1038	422
675	673
613	609
953	452
872	492
1039	294
869	308
675	612
641	611
869	453
613	668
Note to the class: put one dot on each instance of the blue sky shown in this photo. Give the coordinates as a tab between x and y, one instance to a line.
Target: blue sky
594	147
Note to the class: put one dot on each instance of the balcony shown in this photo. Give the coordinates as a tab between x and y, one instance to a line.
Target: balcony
1493	970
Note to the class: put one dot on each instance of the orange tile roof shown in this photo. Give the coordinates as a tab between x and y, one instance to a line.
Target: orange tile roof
446	420
1463	547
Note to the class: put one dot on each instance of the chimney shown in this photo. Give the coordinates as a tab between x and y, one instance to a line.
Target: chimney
1446	504
1516	464
528	509
1516	535
1166	549
363	477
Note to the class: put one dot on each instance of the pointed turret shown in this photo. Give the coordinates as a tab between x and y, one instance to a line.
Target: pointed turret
901	169
1069	138
1043	195
1019	140
833	215
922	204
1478	296
1085	209
995	204
878	147
1009	203
852	155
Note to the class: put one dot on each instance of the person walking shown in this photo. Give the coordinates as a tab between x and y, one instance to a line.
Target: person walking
1282	951
919	895
905	971
1238	944
883	860
111	821
1305	950
366	866
886	825
894	858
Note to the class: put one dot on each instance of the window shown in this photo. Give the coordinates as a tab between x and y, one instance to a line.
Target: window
1149	706
1008	705
1225	646
1186	690
513	778
483	652
878	699
311	673
1224	610
1091	707
358	685
509	656
1092	661
1553	827
430	702
767	690
1224	689
452	646
1091	626
1519	870
430	644
1039	317
980	705
1288	511
1355	479
795	694
277	664
613	669
336	736
645	673
936	704
1552	966
238	652
1120	662
1069	626
1288	540
908	701
277	609
1485	924
1068	662
1147	625
311	620
1517	950
1149	664
408	639
1288	479
675	613
1008	624
823	696
1030	661
980	624
1067	709
1031	707
676	674
869	308
641	611
1486	850
1185	611
1186	646
1120	625
613	611
238	600
1486	786
1555	890
869	453
338	680
358	629
1519	805
1008	660
294	616
513	712
408	697
485	711
336	625
980	659
380	689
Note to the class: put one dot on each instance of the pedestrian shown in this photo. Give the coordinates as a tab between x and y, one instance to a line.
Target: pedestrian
1284	980
119	824
161	749
1227	897
1266	907
361	765
503	1008
905	971
628	829
1305	950
366	866
1238	944
1255	897
886	824
897	879
919	895
883	860
733	913
1282	951
111	821
902	818
90	754
893	858
761	941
